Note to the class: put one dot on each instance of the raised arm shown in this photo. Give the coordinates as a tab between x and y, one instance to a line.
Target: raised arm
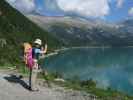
46	47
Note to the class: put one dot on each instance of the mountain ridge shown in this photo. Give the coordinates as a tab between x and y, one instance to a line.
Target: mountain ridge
75	31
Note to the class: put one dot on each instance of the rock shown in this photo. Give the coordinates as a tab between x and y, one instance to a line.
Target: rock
59	80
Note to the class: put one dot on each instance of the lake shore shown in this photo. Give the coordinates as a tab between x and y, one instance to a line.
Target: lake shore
73	89
56	51
63	90
101	91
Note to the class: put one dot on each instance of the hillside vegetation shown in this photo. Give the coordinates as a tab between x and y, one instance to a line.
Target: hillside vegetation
15	29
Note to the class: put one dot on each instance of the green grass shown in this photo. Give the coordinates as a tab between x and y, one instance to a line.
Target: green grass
90	87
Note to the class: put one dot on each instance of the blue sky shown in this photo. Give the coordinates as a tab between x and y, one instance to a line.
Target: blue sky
109	10
117	14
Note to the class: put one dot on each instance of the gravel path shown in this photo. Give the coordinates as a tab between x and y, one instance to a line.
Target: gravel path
11	88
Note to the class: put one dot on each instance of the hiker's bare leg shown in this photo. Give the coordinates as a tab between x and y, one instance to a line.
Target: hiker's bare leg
34	76
30	74
34	79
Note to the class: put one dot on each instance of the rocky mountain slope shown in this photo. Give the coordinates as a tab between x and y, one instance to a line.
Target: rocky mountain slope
77	31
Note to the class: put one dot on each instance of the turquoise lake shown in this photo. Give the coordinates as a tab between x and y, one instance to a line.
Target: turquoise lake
109	67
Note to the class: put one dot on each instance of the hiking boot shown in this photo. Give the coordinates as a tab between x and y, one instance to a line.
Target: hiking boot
34	90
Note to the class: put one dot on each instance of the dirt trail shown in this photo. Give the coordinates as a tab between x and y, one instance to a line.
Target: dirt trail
13	88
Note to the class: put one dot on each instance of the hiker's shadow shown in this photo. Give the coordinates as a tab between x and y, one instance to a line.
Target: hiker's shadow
18	80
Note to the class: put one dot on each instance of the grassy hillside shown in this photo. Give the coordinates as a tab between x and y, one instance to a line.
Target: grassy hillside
15	29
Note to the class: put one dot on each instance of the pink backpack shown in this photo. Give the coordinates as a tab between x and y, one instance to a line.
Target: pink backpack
30	61
28	58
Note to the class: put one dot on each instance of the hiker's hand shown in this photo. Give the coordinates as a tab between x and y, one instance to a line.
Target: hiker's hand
46	47
35	64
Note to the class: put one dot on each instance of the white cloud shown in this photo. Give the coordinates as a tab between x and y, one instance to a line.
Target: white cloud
131	12
120	3
93	8
85	8
25	6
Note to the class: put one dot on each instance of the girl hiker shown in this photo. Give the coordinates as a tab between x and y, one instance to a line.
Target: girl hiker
32	55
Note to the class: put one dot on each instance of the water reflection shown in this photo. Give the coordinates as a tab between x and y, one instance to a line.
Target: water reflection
110	67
